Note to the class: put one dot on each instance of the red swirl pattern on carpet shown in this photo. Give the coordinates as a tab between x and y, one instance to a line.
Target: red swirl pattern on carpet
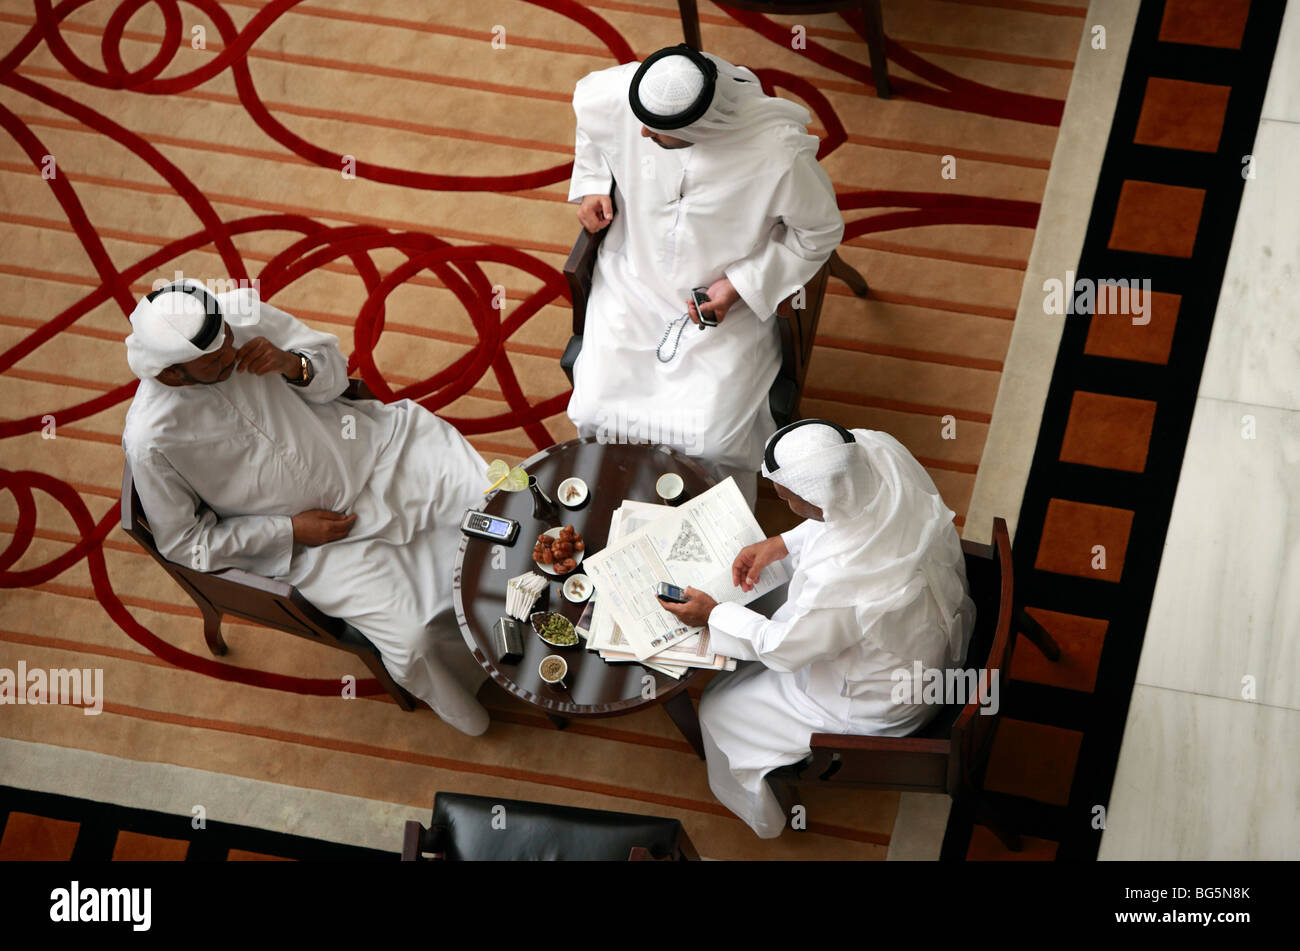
457	267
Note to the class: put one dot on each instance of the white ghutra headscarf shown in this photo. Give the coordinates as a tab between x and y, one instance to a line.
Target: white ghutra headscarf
701	98
889	536
169	324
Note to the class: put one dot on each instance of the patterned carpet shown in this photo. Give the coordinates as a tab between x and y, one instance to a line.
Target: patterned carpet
382	169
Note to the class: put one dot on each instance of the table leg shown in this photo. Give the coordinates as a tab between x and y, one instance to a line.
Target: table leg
682	710
560	722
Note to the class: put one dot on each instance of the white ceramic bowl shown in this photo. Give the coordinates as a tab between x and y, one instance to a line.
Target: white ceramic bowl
577	588
575	487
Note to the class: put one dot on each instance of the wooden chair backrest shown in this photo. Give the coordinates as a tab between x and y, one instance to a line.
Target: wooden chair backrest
938	758
973	732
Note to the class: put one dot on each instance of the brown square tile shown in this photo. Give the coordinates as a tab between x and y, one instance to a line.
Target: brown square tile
1080	640
240	855
1116	336
1205	22
138	847
1033	760
1182	115
1157	219
31	838
1070	532
1110	432
985	847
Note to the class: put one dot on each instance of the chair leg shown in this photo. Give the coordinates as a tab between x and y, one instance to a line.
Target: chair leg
989	817
686	848
682	711
212	629
690	23
1036	633
876	46
848	274
404	698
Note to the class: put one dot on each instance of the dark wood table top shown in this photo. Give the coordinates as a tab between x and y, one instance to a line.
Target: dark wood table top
613	472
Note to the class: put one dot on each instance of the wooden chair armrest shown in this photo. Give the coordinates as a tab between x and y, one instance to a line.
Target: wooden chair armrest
278	589
358	390
579	268
411	841
845	743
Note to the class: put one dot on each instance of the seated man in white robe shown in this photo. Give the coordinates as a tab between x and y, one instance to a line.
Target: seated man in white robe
717	186
245	456
878	582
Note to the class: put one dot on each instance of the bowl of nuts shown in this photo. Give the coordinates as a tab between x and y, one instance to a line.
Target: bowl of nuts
554	629
559	550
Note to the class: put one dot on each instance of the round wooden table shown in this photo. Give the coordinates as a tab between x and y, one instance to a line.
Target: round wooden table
595	688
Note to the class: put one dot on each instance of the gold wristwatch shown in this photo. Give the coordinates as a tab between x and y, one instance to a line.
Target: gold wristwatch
307	371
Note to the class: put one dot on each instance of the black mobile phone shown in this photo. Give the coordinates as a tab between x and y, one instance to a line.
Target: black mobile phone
670	592
701	297
493	528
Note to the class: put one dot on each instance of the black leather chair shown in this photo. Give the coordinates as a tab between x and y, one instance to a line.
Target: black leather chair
487	828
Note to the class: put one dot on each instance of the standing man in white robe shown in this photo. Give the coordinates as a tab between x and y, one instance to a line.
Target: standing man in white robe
716	185
878	583
245	456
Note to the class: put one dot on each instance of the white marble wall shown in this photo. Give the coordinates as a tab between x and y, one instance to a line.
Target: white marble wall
1206	772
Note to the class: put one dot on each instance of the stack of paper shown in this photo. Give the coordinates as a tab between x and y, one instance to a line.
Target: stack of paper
522	593
645	543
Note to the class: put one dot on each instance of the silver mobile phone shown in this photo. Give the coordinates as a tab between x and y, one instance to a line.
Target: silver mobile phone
492	528
700	295
670	592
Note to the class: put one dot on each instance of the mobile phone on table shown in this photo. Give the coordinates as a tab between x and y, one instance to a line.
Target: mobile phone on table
670	592
492	528
700	295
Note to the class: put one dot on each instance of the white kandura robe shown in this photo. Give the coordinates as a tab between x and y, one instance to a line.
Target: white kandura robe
764	216
222	468
817	675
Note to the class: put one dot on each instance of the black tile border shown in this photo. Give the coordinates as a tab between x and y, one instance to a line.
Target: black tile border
101	821
1126	604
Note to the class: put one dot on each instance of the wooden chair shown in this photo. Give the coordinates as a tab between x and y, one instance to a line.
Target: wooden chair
949	754
273	604
488	828
870	13
798	326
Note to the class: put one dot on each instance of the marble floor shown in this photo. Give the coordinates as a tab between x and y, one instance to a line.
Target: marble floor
1209	767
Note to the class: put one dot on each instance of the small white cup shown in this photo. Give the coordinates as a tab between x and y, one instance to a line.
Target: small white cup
670	487
564	669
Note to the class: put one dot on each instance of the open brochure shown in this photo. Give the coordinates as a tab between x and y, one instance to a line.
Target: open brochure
693	545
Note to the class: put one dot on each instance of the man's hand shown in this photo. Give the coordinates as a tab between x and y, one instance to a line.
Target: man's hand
318	526
695	612
260	356
752	559
596	212
721	296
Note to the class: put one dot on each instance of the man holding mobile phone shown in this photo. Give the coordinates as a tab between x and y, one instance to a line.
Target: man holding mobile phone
722	212
878	583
